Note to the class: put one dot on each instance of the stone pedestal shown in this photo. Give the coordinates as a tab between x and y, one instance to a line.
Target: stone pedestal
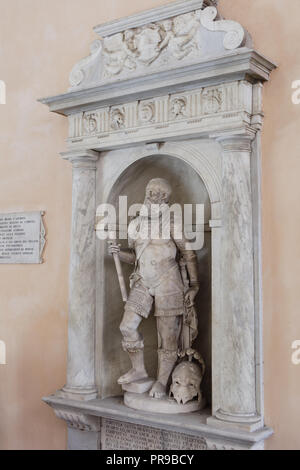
142	401
110	425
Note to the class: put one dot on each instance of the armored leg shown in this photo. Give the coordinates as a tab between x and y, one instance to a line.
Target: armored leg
169	329
134	345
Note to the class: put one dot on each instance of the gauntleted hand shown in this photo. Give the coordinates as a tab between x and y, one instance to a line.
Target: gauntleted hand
190	295
113	248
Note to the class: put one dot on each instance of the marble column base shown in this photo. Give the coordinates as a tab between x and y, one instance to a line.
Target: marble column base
83	440
78	393
244	423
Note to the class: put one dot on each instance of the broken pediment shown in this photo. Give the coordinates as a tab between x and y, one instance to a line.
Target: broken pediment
162	39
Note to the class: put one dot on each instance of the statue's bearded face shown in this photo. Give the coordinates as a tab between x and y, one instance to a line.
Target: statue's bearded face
157	192
157	196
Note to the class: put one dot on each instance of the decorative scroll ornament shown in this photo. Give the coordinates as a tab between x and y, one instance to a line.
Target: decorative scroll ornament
82	69
235	33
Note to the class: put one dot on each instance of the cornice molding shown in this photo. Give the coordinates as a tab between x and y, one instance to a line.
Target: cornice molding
154	14
81	158
112	409
243	63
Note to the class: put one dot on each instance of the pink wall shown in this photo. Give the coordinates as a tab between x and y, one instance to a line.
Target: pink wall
275	31
40	42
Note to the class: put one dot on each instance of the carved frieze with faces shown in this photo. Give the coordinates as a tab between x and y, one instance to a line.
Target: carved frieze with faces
218	102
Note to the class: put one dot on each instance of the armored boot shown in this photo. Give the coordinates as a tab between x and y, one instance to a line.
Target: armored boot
166	362
135	350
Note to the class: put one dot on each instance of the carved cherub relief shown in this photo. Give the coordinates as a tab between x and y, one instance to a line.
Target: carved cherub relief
119	53
147	41
182	43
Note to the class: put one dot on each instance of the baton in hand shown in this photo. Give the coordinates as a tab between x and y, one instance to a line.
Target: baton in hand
120	274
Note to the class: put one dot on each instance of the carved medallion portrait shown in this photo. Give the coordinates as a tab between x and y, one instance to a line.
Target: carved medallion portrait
178	108
117	118
146	112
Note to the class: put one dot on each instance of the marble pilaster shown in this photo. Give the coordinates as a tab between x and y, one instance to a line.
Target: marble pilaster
235	360
82	289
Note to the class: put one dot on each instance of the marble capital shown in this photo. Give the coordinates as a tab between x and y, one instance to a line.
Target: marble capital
236	143
82	158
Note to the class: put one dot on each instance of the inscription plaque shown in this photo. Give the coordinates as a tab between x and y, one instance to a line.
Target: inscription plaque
22	238
117	435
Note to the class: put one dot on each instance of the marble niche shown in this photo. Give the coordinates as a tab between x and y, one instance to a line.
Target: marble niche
174	92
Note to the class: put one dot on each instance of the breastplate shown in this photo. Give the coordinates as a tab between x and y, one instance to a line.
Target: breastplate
156	259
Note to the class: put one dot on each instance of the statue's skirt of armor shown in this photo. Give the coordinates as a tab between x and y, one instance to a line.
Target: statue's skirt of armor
167	295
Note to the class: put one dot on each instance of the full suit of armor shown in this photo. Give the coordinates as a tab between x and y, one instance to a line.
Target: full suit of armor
157	281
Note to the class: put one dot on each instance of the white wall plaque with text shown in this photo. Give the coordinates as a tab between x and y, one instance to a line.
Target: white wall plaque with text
22	238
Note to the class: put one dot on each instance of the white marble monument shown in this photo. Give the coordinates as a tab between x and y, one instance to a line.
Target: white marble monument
174	92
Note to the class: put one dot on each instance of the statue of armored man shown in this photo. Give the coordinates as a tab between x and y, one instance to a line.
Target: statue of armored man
165	277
